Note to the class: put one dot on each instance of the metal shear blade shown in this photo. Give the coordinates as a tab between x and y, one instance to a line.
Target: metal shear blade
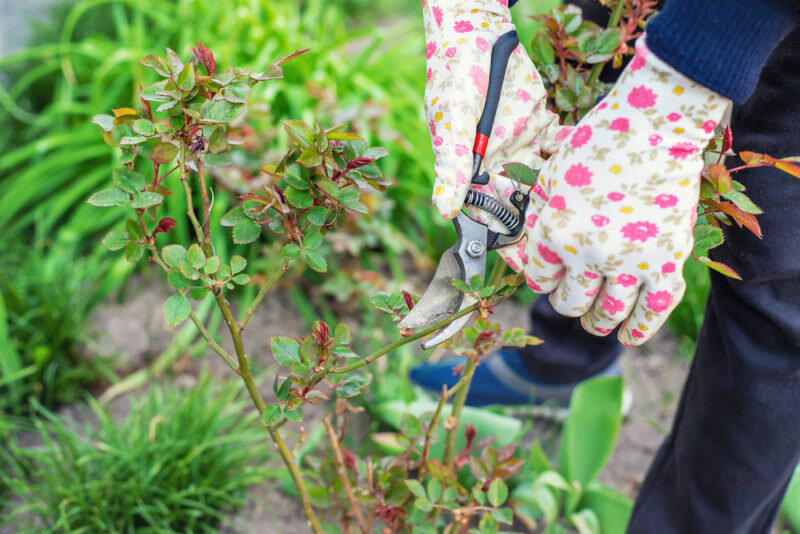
463	260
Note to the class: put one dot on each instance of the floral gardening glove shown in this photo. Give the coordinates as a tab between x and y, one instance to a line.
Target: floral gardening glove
460	35
617	203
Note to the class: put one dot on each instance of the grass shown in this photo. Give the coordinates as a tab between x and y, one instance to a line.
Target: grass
178	462
44	308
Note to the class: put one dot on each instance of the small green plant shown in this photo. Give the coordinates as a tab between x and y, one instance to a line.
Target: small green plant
568	495
43	313
179	461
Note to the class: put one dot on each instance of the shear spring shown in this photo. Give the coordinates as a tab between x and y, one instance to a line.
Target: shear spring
493	207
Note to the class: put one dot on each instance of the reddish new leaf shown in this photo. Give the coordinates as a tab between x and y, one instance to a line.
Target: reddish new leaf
742	218
164	226
360	161
409	300
205	57
750	158
727	139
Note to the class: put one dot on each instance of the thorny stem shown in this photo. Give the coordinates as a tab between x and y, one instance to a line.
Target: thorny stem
196	320
189	204
258	401
613	21
403	341
201	173
263	292
426	449
458	405
244	367
340	466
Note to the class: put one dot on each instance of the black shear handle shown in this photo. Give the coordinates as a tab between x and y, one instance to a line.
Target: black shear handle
501	52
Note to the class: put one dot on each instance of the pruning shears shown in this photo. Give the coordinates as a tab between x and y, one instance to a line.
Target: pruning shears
467	257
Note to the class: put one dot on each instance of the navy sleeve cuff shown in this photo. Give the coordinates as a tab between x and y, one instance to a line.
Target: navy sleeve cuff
721	44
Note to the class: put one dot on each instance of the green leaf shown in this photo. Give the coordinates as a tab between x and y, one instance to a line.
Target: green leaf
410	426
233	216
196	257
157	63
498	492
476	282
460	285
285	350
106	122
116	240
554	480
129	181
719	267
188	271
220	110
246	231
608	41
132	140
328	186
317	262
317	215
238	264
241	279
504	515
224	271
146	199
238	92
312	241
294	415
212	265
144	127
488	524
706	237
565	99
298	198
177	280
350	198
134	252
271	414
541	50
591	428
343	136
423	504
521	173
585	521
416	488
109	197
300	132
290	251
742	202
434	490
295	176
310	157
198	293
163	153
613	509
539	498
134	231
186	78
217	142
173	255
176	310
342	334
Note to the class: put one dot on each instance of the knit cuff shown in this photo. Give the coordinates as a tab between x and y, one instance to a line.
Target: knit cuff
721	44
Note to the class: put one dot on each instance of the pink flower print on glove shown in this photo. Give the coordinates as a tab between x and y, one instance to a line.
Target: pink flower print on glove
631	202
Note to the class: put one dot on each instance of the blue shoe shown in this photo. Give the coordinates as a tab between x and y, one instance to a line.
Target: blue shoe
503	379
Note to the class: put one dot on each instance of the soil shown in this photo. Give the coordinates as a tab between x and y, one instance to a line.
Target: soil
135	332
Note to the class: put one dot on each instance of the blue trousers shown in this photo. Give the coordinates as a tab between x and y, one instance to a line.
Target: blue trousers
735	440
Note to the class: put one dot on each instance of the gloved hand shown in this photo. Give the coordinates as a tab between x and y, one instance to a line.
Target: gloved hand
617	203
460	35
